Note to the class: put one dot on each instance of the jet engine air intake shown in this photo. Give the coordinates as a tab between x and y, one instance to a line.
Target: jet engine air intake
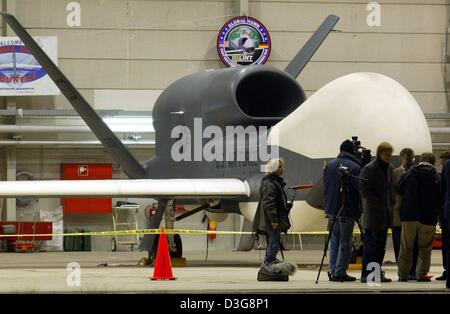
268	94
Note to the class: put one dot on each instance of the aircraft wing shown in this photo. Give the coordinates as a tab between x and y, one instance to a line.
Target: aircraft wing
163	188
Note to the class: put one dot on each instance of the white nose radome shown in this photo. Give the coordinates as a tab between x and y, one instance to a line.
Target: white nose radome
371	106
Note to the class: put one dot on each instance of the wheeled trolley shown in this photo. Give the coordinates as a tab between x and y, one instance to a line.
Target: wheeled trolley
25	244
125	217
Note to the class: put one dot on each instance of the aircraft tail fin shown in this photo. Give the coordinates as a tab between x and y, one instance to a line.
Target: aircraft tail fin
130	165
307	51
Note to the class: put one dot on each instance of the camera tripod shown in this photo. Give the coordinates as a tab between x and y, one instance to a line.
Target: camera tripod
344	188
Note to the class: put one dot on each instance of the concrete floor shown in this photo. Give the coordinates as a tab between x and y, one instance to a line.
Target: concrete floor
223	272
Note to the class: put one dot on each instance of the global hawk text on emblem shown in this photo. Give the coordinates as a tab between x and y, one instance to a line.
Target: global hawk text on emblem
243	41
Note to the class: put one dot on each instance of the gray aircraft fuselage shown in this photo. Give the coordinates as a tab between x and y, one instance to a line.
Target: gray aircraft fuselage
225	98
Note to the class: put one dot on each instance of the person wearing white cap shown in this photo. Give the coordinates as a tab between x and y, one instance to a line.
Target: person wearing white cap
272	214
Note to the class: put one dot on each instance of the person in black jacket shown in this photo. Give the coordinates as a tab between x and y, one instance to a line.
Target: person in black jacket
421	202
377	201
445	188
272	213
344	220
443	223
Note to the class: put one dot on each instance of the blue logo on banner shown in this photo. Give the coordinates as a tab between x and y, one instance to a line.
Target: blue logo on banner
18	66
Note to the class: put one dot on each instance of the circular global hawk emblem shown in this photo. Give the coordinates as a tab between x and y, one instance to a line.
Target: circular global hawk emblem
243	40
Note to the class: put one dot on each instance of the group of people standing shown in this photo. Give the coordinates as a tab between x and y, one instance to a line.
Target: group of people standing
409	200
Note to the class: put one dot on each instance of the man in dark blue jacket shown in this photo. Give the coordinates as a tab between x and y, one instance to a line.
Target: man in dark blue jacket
339	174
421	202
445	186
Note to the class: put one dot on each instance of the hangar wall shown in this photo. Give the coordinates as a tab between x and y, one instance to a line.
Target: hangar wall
149	44
125	52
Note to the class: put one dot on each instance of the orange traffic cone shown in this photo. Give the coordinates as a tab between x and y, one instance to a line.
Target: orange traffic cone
163	268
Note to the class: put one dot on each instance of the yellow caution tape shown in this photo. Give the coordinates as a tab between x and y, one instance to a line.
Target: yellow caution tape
156	231
142	232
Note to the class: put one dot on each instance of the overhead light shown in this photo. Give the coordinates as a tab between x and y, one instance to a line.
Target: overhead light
130	124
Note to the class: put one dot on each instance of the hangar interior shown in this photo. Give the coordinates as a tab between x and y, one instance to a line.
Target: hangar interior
121	54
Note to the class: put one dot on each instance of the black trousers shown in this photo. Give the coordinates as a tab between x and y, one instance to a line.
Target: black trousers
396	236
445	239
448	253
374	249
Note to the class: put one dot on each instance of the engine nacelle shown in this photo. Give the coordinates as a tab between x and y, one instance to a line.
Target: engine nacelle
257	95
241	95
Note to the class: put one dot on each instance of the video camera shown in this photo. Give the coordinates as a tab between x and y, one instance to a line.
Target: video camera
360	152
343	170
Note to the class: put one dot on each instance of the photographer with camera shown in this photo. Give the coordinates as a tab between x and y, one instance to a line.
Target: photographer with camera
339	174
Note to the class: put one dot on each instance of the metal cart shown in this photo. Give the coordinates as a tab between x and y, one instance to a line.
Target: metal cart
125	217
24	244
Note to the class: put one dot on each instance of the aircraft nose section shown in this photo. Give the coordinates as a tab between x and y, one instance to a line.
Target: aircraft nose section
371	106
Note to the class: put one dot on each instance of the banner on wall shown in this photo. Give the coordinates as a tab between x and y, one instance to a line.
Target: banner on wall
20	73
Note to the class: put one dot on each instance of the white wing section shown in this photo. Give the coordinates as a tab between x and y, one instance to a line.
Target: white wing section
173	188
